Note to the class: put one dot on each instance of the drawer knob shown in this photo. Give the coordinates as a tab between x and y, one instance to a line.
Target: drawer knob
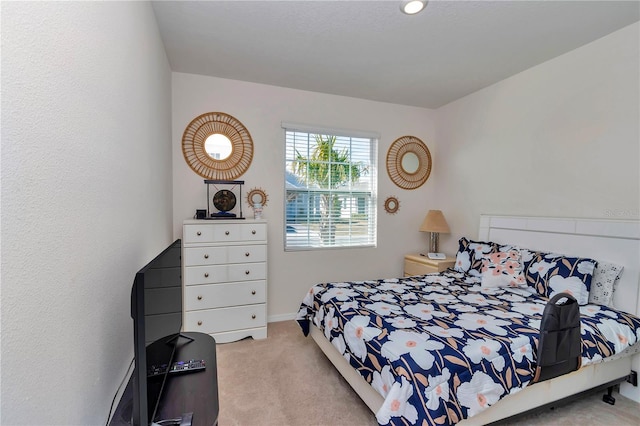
253	232
199	322
253	316
253	292
247	272
206	275
199	297
247	254
198	233
226	232
206	256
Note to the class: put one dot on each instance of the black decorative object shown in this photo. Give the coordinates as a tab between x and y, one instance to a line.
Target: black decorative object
224	200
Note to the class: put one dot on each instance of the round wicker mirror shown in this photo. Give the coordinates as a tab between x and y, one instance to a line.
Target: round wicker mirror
207	152
408	162
391	205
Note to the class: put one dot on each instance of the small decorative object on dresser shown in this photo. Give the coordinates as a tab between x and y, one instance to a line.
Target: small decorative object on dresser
419	264
224	200
224	278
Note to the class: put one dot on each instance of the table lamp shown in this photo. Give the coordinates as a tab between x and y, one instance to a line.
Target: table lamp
435	223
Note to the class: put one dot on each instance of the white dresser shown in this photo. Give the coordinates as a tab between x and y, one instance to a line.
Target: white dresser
224	278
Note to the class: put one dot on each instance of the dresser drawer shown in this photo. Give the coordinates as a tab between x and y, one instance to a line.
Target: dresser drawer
247	271
254	232
226	319
250	253
208	232
209	296
205	274
205	256
224	273
201	233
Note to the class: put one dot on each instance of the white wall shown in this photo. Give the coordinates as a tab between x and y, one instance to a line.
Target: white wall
261	109
560	139
86	199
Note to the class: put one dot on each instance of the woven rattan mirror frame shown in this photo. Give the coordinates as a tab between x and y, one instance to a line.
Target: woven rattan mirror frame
401	177
259	192
391	205
195	155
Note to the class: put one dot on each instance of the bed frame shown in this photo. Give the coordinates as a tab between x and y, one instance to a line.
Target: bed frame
616	241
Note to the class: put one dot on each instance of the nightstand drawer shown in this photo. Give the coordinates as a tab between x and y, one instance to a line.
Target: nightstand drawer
414	268
415	264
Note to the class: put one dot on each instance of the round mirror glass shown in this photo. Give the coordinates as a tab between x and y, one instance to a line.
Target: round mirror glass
410	162
218	146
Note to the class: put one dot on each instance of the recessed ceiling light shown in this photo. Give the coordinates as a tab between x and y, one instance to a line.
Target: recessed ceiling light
412	7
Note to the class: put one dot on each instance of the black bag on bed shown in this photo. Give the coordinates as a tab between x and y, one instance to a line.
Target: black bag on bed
560	345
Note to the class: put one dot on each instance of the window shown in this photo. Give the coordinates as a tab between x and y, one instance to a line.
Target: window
330	186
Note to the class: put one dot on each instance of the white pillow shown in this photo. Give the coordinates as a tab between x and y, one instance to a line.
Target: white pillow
572	285
603	283
491	280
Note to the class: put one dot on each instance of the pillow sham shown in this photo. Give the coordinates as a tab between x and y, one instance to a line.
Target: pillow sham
552	273
503	269
605	277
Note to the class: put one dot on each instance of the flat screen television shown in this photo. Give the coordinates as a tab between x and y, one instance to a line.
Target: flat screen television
156	310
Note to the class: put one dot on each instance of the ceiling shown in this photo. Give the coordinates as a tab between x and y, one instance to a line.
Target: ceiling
371	50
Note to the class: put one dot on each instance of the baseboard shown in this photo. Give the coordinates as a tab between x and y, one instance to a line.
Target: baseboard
282	317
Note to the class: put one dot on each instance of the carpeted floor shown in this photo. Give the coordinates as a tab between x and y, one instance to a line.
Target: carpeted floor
286	380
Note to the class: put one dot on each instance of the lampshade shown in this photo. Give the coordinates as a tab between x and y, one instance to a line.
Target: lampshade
435	222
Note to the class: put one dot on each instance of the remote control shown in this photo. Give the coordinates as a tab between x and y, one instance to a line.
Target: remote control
177	367
190	366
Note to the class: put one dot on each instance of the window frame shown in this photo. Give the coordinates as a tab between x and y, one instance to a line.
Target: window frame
369	238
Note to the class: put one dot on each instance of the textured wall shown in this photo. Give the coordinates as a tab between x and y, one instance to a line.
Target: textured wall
261	109
86	199
560	139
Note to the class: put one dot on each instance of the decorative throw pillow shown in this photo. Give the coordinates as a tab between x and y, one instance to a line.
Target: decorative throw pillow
503	269
554	273
603	283
470	253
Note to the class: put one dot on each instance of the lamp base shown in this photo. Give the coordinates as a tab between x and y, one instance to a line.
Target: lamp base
433	242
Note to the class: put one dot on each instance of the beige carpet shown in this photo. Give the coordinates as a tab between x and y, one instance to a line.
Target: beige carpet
286	380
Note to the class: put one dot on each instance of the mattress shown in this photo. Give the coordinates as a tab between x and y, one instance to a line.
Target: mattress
439	348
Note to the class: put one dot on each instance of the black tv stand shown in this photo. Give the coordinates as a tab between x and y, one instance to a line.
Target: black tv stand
178	336
195	393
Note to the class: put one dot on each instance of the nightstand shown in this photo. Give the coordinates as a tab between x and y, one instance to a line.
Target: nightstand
414	264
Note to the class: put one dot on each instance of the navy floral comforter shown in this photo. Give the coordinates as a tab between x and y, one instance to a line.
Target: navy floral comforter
439	348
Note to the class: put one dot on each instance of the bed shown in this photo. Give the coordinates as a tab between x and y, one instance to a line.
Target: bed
444	349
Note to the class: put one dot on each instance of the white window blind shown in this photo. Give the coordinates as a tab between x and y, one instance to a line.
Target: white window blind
330	187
